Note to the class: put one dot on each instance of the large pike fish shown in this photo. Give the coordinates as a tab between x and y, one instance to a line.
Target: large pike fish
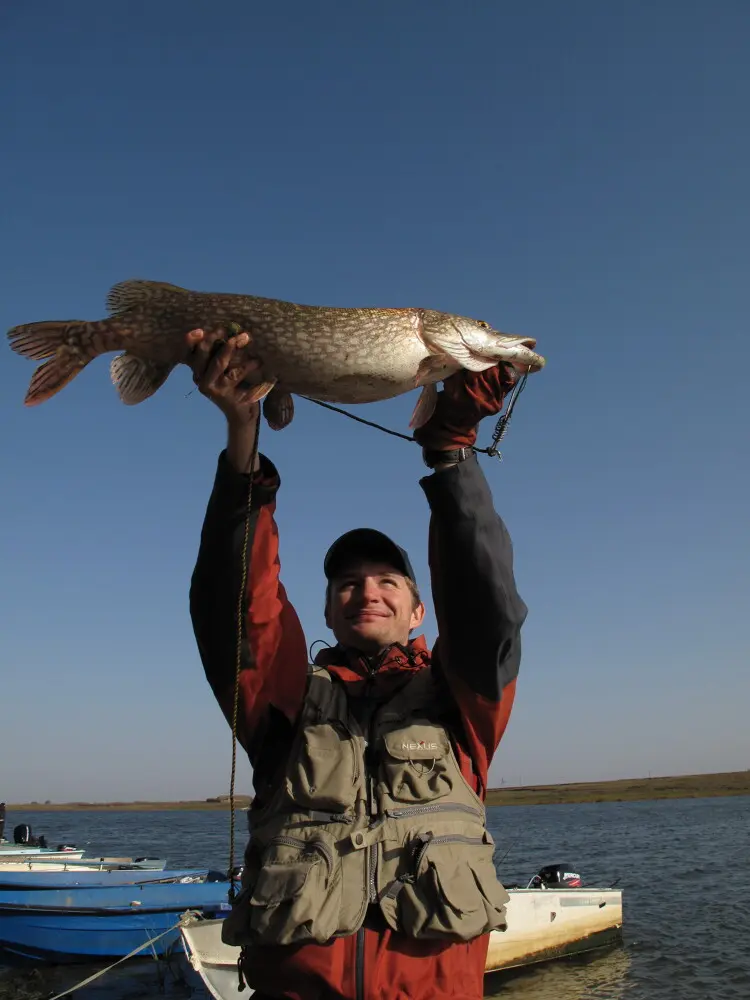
336	355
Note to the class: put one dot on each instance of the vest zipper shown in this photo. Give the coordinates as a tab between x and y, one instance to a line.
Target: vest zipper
451	838
436	807
307	845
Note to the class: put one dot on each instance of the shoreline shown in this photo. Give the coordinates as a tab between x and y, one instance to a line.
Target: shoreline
687	786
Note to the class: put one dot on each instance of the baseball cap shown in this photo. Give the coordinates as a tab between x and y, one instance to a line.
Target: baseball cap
367	543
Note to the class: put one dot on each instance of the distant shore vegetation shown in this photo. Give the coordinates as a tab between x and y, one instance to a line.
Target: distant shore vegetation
690	786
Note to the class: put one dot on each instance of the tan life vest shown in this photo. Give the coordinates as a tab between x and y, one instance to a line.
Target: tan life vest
384	819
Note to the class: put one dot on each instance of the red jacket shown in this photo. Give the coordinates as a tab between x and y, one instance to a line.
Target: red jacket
476	658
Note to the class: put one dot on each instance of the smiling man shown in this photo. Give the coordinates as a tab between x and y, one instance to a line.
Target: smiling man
372	600
369	871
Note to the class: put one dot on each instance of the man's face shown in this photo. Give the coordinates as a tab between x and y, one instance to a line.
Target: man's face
371	606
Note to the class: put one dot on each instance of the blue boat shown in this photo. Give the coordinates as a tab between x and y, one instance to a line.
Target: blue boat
12	882
77	924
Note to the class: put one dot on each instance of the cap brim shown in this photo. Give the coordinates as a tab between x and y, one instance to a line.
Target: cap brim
366	543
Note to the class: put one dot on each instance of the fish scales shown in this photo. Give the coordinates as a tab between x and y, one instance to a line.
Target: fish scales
335	354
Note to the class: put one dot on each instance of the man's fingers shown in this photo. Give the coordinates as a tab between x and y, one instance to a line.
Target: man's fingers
194	337
220	359
224	364
216	365
235	374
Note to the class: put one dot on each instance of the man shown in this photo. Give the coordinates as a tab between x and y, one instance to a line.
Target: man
369	873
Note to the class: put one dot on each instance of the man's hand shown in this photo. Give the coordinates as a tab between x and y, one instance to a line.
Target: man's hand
466	398
219	364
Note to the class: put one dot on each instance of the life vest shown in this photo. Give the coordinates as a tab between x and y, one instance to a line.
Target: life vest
368	815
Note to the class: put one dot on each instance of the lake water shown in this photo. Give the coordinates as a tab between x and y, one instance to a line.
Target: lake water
684	866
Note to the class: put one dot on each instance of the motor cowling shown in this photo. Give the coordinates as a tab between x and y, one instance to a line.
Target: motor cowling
556	877
22	834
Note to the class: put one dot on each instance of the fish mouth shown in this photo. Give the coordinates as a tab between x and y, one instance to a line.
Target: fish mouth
516	352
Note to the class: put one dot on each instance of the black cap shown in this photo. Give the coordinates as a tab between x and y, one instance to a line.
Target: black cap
364	543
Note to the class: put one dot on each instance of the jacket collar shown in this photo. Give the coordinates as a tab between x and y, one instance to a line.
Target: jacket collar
351	665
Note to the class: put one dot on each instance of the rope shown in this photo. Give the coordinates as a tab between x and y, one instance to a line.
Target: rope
360	420
238	659
132	954
498	434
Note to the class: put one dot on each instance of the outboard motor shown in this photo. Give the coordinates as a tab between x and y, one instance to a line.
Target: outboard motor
556	877
22	835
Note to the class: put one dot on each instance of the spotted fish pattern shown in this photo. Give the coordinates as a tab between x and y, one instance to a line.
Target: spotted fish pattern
333	354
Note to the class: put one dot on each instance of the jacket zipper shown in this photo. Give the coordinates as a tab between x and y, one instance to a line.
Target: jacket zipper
359	985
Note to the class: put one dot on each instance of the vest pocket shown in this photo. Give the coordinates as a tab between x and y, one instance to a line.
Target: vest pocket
326	772
449	891
416	765
297	894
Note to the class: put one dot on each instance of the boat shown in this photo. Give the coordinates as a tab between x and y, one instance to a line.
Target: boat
544	924
103	922
16	854
82	864
12	882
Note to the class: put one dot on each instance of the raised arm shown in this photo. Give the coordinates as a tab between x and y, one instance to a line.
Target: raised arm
479	611
273	651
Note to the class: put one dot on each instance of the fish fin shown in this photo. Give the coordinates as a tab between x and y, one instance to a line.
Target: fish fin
434	368
41	340
425	406
53	376
278	409
139	292
259	391
136	379
60	344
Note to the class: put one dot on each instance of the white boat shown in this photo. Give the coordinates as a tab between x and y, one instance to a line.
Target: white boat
81	864
543	924
17	852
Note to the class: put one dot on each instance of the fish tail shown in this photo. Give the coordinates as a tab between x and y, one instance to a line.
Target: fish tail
66	347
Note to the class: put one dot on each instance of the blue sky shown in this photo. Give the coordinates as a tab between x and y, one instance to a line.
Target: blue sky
577	172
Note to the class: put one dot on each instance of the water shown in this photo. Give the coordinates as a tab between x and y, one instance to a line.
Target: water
684	866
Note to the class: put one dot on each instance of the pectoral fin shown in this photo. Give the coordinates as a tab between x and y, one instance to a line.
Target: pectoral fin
136	379
425	406
434	368
260	391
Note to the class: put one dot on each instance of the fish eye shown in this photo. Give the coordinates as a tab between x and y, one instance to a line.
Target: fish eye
484	326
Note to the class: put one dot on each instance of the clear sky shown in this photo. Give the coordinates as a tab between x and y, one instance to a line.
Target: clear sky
574	171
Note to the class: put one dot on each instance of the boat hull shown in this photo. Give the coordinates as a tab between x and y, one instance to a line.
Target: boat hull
44	938
542	925
16	855
84	923
14	882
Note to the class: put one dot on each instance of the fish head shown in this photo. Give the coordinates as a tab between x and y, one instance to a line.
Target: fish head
475	345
